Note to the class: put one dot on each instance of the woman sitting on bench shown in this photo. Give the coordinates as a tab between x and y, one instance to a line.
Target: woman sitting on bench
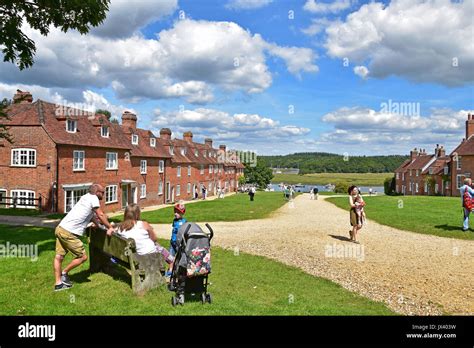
142	232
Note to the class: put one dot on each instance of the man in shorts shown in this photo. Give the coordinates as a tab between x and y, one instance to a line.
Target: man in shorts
71	227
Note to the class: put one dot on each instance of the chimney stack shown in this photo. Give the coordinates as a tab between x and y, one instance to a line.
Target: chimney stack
22	97
441	152
208	142
222	147
413	154
129	120
188	136
469	125
165	133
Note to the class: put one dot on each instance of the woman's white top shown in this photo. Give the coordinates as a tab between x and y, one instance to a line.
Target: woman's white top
142	239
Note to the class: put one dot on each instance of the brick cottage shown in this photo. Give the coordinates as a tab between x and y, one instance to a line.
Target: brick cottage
58	152
437	174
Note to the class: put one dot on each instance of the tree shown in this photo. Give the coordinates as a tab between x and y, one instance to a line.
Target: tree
389	186
104	112
3	115
242	180
40	15
259	174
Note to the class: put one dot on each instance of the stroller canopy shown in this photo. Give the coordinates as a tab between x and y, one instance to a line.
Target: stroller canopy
194	237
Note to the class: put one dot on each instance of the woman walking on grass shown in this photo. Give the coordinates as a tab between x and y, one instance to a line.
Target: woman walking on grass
355	202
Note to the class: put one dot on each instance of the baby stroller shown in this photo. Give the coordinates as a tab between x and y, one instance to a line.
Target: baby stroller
192	263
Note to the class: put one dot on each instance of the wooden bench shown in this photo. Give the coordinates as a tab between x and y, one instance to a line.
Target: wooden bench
146	271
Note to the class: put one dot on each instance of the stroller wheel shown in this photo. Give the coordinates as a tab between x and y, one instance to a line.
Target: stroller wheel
203	298
209	298
174	301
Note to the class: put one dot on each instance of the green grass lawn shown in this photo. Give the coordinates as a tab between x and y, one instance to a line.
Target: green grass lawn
359	179
240	285
439	216
233	208
19	212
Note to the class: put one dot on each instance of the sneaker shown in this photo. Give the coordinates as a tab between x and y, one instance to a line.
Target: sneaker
65	279
62	286
168	274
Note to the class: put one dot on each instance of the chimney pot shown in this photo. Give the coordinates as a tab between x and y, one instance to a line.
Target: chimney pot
22	97
165	133
188	136
208	142
129	120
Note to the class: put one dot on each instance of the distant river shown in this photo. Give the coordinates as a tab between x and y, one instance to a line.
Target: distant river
306	188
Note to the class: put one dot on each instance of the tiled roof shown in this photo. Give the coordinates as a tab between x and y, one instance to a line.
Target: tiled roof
402	167
438	165
144	149
419	162
466	148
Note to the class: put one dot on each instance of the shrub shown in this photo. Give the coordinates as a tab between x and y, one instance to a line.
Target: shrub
341	187
389	186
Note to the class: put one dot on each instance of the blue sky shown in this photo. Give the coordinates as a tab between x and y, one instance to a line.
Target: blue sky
295	88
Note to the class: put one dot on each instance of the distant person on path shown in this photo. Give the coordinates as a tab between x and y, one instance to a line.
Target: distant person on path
252	193
311	193
315	193
286	193
73	226
466	190
196	193
356	220
370	191
204	192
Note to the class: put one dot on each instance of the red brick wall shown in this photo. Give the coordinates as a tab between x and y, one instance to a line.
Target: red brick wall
39	179
467	169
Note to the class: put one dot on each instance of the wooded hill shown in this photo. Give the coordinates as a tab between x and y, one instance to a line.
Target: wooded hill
321	162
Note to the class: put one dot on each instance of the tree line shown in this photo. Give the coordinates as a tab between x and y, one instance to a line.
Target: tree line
322	162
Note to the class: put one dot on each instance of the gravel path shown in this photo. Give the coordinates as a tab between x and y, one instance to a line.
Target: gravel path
412	273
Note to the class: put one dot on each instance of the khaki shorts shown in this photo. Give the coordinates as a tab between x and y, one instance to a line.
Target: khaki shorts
355	221
67	241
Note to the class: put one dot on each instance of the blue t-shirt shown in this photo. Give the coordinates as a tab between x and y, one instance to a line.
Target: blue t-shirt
177	223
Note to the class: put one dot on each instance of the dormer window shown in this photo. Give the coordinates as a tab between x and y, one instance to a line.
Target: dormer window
71	126
205	153
431	171
196	153
134	139
104	131
446	170
183	151
171	150
152	142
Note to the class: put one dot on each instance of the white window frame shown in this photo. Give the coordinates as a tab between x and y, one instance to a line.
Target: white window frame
27	157
459	181
178	190
210	168
458	163
202	169
416	187
426	187
78	169
205	153
436	188
189	188
446	170
134	139
143	191
209	186
143	166
397	176
73	123
189	170
114	189
160	188
417	172
403	176
153	142
161	166
172	150
196	153
107	160
104	134
183	151
74	196
178	171
25	198
430	171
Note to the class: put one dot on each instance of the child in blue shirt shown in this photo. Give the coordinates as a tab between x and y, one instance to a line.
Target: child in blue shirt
178	221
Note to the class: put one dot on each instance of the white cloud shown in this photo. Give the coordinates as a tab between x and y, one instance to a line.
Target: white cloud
247	4
187	61
420	40
385	132
219	125
317	26
326	7
361	71
125	18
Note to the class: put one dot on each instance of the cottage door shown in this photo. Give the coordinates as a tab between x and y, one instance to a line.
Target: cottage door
3	201
124	196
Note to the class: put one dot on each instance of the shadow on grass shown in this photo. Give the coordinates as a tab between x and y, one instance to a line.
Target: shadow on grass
447	227
344	239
